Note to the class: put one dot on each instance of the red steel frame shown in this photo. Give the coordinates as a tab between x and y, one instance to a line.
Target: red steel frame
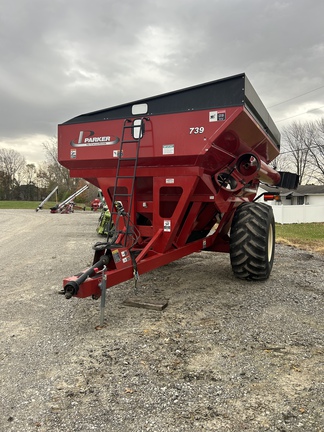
177	195
159	247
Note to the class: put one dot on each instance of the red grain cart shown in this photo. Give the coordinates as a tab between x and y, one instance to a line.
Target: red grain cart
179	172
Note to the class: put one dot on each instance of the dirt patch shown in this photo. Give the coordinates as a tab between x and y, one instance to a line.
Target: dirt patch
311	246
224	355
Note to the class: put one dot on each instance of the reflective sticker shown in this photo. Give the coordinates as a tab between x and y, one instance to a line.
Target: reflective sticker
169	181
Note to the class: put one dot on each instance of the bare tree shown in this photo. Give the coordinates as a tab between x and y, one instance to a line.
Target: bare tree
12	164
316	150
56	172
43	178
297	140
29	173
28	183
283	162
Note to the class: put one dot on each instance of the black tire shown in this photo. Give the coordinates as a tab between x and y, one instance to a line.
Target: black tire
252	241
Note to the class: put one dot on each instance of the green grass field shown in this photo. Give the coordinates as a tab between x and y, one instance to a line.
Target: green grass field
22	204
309	231
30	205
308	236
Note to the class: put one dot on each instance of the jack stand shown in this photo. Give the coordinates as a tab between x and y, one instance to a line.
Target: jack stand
135	273
136	278
103	286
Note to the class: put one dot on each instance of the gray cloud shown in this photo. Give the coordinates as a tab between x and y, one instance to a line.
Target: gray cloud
61	59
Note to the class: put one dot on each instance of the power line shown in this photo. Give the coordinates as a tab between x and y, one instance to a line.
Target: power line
294	151
295	97
306	112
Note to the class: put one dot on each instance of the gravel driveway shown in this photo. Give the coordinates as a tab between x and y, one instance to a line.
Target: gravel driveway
224	355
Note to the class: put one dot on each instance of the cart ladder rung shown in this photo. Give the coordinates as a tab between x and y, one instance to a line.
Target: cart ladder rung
117	196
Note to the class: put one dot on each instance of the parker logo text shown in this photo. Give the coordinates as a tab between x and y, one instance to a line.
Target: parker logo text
88	139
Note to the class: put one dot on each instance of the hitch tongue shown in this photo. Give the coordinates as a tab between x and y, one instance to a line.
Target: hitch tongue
71	288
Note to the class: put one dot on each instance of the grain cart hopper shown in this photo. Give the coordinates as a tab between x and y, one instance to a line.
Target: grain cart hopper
179	172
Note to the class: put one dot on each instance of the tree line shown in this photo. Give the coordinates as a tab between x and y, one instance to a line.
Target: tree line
28	182
302	152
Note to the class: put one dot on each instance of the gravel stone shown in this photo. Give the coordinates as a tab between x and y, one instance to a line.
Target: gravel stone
224	355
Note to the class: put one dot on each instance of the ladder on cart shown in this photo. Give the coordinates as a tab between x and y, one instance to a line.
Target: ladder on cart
126	170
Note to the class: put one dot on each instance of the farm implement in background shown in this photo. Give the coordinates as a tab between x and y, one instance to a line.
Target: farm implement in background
47	198
68	205
98	203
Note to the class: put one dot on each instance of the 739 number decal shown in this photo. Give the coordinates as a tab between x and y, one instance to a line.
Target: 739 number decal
196	130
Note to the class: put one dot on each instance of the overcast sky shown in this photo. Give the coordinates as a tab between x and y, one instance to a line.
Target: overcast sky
62	58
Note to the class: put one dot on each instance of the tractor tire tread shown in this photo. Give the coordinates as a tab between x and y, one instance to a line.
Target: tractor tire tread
249	241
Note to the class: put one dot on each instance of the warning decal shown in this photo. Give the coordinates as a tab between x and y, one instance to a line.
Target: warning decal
215	116
168	149
116	256
167	225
